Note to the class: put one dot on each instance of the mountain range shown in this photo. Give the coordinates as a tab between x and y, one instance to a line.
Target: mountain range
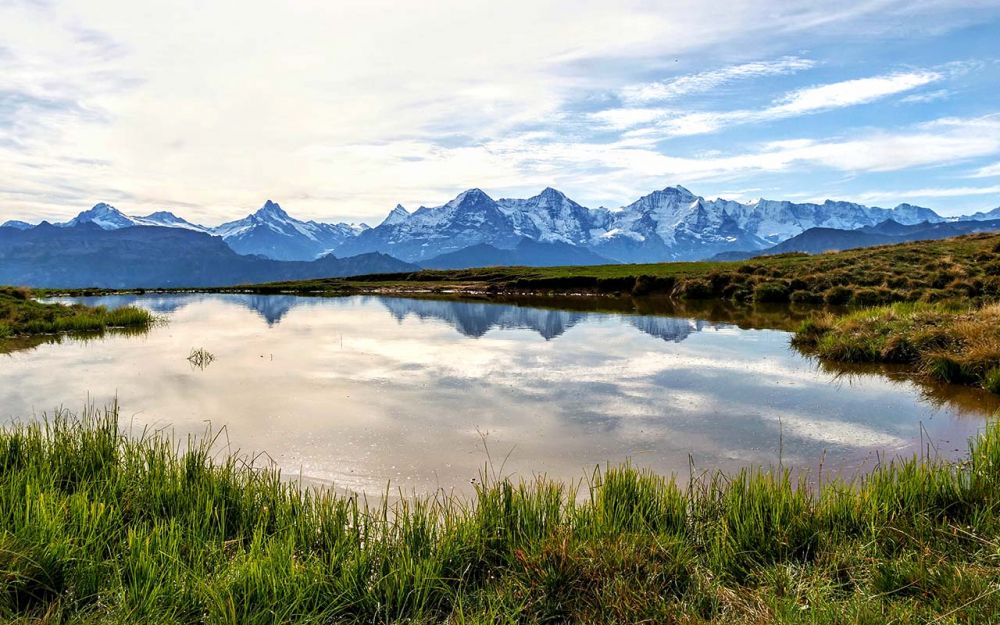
546	229
87	255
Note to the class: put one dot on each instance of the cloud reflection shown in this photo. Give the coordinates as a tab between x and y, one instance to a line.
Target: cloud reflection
363	389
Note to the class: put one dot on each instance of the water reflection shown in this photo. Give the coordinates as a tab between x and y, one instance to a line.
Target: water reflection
360	390
475	319
471	318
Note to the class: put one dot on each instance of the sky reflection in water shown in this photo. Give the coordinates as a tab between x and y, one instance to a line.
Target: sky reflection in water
363	390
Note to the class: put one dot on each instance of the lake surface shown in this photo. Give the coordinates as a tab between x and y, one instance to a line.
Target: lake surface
360	391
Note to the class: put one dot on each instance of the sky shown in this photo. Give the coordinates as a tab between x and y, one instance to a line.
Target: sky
340	110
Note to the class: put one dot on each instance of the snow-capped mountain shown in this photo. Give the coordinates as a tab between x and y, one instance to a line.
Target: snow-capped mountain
395	216
273	233
669	224
270	232
167	219
983	215
16	224
675	224
106	216
470	219
906	214
672	224
551	217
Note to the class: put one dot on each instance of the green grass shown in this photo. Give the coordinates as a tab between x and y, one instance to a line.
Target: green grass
966	268
100	527
950	342
22	316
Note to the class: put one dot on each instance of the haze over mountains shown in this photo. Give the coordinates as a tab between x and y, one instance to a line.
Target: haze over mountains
474	229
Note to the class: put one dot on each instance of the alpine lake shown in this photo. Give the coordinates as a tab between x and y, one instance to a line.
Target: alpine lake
377	394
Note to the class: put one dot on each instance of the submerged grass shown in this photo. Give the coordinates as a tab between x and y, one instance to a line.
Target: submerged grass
949	342
23	316
200	358
100	527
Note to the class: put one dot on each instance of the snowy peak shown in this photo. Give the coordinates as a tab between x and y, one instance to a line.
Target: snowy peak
395	216
271	210
470	197
167	219
103	215
273	233
16	224
549	194
551	217
908	214
983	216
471	201
269	215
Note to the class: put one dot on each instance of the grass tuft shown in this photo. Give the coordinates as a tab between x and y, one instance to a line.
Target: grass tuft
22	316
945	341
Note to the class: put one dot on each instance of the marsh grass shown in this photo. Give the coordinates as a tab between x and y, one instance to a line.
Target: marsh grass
949	342
22	316
98	526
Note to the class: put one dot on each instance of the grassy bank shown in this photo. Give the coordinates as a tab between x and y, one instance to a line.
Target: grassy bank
21	316
948	342
97	527
967	268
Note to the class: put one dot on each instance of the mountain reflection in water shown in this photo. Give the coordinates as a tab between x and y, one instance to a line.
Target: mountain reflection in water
361	390
471	318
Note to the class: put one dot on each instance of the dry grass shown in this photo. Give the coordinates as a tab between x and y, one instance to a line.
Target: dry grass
949	342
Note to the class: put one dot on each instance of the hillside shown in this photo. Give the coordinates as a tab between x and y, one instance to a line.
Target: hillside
818	240
966	267
526	253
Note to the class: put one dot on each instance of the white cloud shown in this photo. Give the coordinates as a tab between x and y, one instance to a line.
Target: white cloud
800	102
706	81
848	93
615	173
805	101
930	96
342	109
987	171
934	192
622	118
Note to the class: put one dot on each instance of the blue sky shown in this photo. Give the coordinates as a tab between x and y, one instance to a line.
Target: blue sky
340	110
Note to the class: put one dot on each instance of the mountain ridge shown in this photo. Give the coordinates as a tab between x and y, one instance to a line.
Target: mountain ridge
86	255
668	224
